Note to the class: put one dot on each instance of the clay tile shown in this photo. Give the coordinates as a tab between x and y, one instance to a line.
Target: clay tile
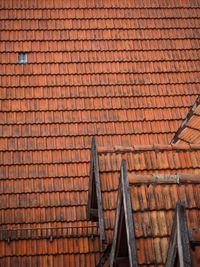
180	146
104	149
195	146
123	148
162	147
143	147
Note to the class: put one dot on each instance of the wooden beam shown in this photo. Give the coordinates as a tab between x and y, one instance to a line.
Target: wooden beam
185	121
94	195
181	178
117	226
104	257
183	237
172	248
91	187
98	190
179	243
128	216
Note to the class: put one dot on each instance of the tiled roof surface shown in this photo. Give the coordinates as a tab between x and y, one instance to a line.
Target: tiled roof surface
125	71
153	209
165	159
189	131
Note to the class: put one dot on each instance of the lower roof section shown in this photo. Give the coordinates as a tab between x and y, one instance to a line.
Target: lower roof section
149	159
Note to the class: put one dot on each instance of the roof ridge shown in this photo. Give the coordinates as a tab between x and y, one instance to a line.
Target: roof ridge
148	147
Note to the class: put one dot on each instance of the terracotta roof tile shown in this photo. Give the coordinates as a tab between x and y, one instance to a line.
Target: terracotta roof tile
153	220
153	203
141	159
126	72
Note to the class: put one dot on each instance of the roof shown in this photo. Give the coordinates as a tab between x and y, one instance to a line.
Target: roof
189	131
149	159
153	201
124	71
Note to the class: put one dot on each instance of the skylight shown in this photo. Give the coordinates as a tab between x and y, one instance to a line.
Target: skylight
22	58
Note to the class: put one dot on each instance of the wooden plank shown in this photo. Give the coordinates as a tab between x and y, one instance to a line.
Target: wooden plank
104	257
179	243
164	178
98	190
185	121
90	190
95	191
172	249
128	216
117	226
183	237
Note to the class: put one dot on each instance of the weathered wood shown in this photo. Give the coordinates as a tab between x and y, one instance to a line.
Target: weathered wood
91	189
123	247
128	216
183	237
172	249
184	123
117	226
104	257
181	178
94	196
179	243
98	190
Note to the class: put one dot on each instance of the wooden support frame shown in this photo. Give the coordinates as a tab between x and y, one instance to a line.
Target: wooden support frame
124	215
104	257
95	208
185	121
179	244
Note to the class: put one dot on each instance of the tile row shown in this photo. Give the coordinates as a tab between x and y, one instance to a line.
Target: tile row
74	142
100	34
99	79
90	129
92	4
45	157
99	45
46	247
123	91
103	56
112	91
151	160
43	200
100	68
112	23
43	215
164	197
90	105
158	224
44	171
44	185
78	260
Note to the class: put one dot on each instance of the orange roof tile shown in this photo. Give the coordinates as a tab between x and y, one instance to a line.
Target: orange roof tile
125	71
150	159
153	200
